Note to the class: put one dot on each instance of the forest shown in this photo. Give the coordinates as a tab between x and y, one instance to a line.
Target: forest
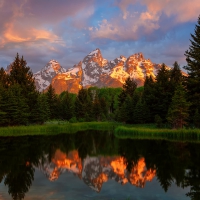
171	99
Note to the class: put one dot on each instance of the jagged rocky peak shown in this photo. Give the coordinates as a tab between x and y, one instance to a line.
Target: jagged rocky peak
44	77
95	57
137	57
53	66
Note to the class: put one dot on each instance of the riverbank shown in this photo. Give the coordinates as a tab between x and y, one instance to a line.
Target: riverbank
150	132
140	131
53	129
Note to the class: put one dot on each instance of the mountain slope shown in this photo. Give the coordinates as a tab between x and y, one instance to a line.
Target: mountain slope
94	70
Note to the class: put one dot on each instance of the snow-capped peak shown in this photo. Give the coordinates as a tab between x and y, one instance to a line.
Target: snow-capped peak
44	77
94	53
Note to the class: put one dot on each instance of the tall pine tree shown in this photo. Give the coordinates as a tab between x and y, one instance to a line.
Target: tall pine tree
193	68
52	102
178	111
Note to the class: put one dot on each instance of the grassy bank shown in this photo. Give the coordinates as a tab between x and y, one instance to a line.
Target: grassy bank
150	132
52	129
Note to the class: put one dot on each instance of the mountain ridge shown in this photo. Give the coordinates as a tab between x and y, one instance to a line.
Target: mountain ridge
94	70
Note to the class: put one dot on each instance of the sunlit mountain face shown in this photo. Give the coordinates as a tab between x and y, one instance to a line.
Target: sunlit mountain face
94	70
94	171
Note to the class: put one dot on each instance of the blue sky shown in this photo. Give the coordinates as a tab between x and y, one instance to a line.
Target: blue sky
67	30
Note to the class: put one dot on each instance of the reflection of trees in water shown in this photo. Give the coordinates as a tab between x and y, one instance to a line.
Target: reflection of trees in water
19	181
174	162
19	155
177	163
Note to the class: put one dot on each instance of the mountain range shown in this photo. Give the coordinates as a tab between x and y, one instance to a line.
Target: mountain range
94	70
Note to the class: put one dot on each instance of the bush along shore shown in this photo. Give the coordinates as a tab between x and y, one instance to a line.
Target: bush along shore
122	131
56	128
139	132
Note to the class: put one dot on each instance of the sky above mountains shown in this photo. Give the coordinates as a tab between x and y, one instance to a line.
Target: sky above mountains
67	30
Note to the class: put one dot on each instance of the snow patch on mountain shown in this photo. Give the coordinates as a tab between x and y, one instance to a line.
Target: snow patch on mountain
44	77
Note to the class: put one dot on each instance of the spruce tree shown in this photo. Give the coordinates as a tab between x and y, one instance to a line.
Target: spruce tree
193	68
196	119
150	97
178	111
176	76
3	78
67	101
2	106
52	102
141	112
83	105
21	75
16	106
129	88
41	111
162	93
96	108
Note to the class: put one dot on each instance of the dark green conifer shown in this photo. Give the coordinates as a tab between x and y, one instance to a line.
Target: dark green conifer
178	111
193	69
150	97
3	78
129	88
196	119
67	101
41	113
2	106
16	106
176	76
83	105
141	112
52	102
163	94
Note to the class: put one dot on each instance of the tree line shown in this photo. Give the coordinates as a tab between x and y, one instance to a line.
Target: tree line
169	98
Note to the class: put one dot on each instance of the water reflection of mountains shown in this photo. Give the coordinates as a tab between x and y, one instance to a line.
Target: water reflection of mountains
96	157
94	171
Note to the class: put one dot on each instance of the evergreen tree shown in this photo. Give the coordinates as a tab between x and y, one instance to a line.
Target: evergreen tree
197	119
16	106
163	94
141	112
83	105
67	101
176	76
2	105
122	115
178	111
193	69
150	97
3	78
129	88
41	113
96	108
52	102
21	75
104	107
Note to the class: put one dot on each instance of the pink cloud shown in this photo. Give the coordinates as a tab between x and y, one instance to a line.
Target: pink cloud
129	25
184	10
27	20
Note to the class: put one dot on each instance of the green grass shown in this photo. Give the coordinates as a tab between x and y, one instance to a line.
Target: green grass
141	131
52	129
150	132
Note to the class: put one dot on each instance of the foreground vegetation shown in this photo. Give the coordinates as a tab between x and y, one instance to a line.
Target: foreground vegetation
122	131
151	132
56	128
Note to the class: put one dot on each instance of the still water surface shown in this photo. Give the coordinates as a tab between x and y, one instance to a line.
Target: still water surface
97	165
